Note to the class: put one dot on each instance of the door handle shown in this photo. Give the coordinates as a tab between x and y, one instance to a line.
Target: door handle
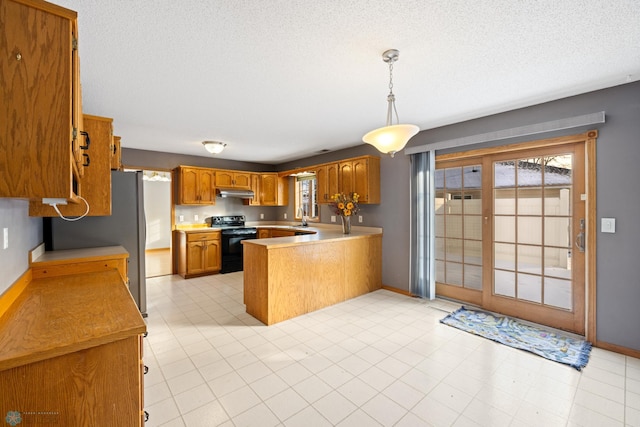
580	238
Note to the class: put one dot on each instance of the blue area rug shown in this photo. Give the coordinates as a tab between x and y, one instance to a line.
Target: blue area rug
550	345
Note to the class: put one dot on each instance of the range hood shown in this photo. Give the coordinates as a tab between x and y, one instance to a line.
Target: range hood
232	192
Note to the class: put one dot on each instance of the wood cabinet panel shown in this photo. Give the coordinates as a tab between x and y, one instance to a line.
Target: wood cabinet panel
96	180
284	281
232	179
39	82
199	253
81	363
195	186
327	181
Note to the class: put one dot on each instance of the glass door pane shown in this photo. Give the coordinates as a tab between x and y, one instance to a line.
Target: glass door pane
532	230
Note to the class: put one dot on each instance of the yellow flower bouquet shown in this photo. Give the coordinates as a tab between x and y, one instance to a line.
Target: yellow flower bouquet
345	204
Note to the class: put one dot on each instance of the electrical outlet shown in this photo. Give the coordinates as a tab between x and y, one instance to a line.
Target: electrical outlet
261	216
285	215
195	217
360	219
181	218
333	218
5	245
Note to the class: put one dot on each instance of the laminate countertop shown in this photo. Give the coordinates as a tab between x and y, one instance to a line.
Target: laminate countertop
55	316
322	234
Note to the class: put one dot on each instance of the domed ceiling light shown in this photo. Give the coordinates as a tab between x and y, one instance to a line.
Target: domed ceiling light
391	138
214	147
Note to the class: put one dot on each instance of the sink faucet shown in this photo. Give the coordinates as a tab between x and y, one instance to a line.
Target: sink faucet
303	216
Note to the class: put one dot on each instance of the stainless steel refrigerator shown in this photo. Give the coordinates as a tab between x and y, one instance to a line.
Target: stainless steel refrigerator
125	227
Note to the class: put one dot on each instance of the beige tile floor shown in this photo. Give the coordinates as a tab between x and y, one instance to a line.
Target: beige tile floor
382	359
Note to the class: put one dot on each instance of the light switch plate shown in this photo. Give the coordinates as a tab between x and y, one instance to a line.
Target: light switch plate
333	218
5	232
608	225
261	216
195	217
285	215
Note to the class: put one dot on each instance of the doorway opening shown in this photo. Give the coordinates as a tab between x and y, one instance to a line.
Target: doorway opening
157	208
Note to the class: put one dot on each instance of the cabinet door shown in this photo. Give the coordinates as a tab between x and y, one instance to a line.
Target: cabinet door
224	179
269	189
195	257
256	188
361	179
96	181
206	187
345	177
332	180
242	180
321	183
366	178
37	108
188	190
264	233
212	260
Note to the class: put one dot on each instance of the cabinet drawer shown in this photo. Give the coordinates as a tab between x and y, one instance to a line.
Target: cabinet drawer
198	237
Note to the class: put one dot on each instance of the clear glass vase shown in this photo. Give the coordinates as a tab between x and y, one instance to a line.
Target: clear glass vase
346	224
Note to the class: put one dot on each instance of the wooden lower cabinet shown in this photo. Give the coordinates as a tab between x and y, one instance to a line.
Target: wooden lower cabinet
199	253
287	280
71	353
99	386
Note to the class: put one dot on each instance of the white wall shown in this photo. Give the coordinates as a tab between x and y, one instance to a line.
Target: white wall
157	209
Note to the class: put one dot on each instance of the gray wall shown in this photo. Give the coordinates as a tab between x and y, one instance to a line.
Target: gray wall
618	175
25	233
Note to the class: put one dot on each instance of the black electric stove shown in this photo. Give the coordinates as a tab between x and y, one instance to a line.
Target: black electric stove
233	233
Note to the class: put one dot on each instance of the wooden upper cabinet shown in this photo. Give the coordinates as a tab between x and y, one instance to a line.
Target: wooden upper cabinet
39	88
195	186
360	175
327	181
96	180
233	179
274	190
255	187
366	179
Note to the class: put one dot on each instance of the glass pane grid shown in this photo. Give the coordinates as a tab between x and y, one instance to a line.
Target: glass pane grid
532	229
458	232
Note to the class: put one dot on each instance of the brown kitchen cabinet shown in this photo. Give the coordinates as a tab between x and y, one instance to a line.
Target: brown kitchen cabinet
195	186
327	181
82	365
233	179
96	181
274	190
199	253
264	233
41	154
255	187
269	190
360	175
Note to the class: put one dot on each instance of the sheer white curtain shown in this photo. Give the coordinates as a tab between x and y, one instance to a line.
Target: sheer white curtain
422	277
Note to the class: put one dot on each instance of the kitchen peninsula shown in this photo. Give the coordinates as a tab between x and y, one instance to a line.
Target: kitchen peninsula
285	277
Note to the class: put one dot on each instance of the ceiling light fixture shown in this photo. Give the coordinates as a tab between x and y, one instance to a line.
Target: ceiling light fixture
214	147
391	138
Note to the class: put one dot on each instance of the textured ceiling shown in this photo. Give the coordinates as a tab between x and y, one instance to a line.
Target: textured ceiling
279	80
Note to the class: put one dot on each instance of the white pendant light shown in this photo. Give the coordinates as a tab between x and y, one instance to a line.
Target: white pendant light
214	147
391	138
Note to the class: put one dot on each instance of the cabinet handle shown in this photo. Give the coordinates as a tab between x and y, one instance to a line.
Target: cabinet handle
146	416
87	160
86	139
146	369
